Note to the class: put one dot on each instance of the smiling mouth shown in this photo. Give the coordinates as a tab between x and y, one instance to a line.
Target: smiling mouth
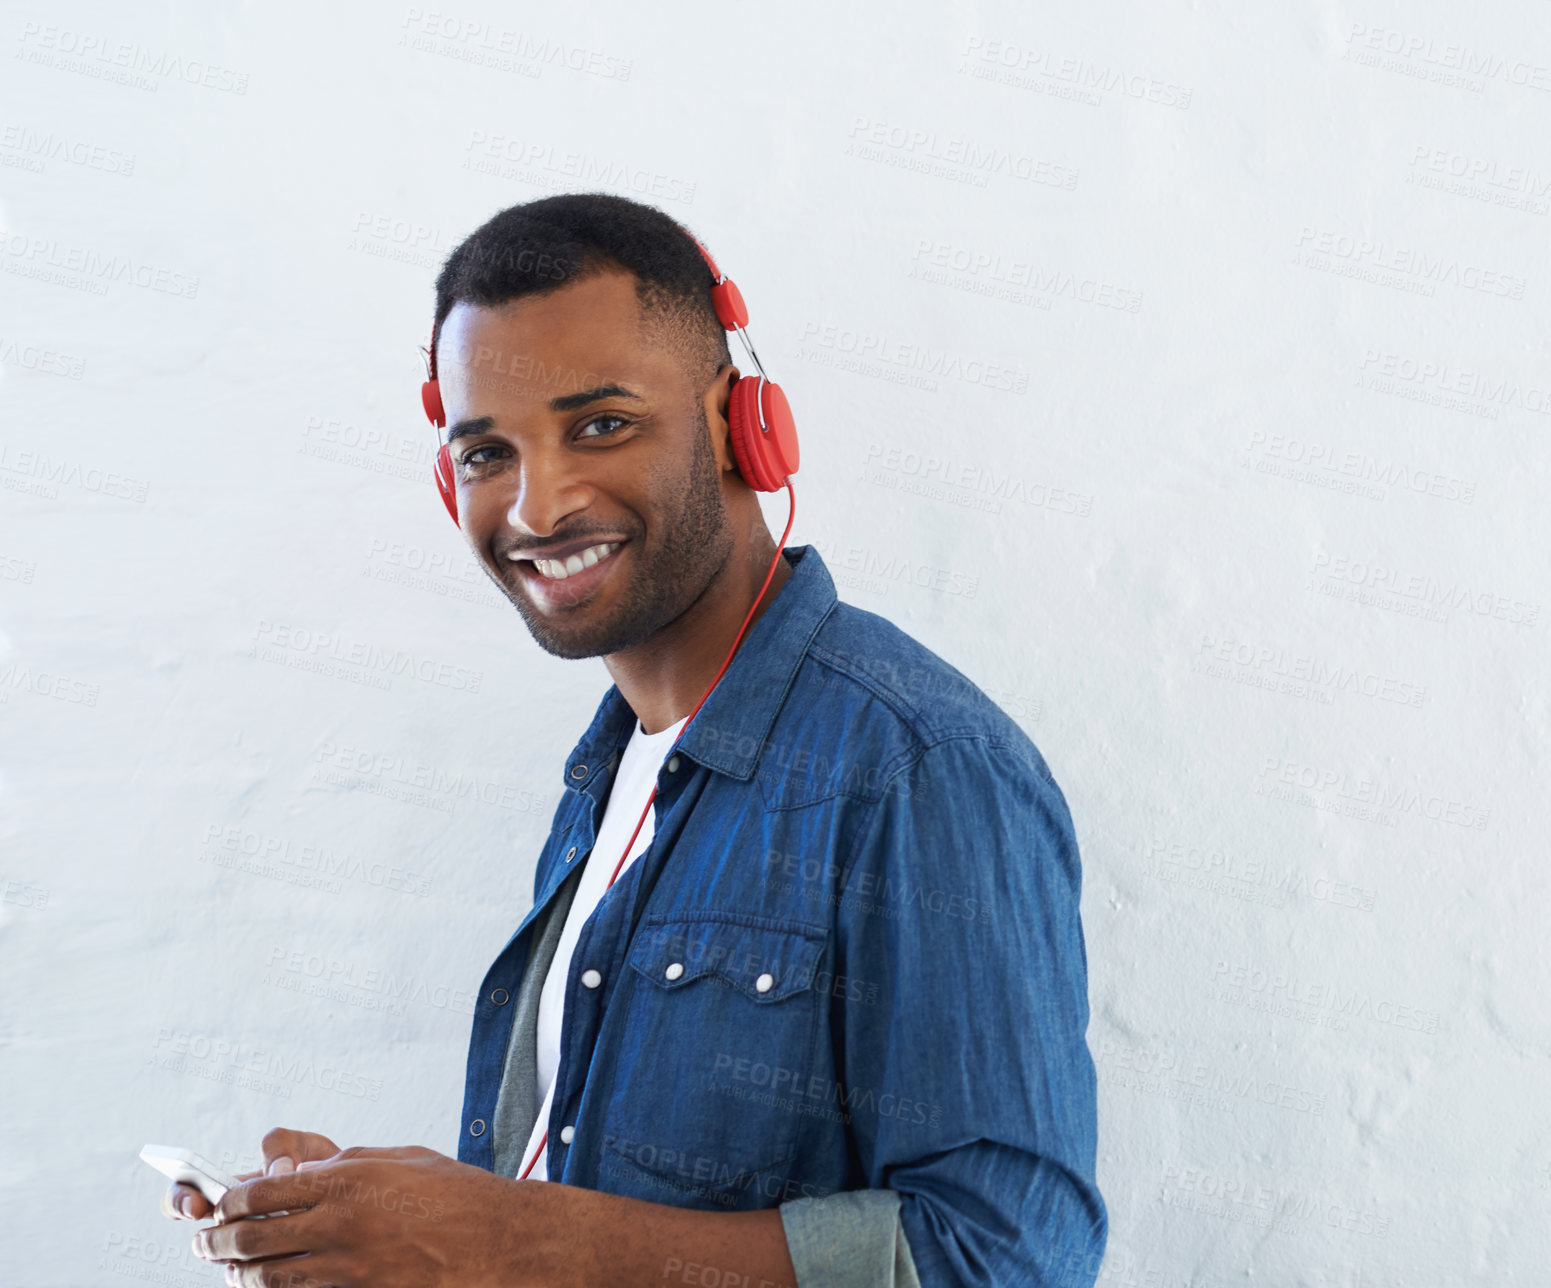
564	583
563	569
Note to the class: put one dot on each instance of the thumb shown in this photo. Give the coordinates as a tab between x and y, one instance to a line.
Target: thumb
339	1156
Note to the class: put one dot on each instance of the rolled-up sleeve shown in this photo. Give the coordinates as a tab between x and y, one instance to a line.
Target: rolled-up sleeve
853	1239
967	1077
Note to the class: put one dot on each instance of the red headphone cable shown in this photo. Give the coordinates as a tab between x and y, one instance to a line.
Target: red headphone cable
769	573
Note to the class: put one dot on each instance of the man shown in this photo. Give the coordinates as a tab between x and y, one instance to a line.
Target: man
827	1025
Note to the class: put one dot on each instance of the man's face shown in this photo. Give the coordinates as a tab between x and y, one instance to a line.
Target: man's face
571	431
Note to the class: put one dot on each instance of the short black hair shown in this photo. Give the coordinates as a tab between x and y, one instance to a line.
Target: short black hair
543	245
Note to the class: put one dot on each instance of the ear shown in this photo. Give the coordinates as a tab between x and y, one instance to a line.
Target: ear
718	397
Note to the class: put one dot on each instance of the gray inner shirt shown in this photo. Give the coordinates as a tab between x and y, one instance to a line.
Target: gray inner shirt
520	1098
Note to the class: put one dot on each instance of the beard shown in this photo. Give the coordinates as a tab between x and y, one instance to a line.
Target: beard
693	546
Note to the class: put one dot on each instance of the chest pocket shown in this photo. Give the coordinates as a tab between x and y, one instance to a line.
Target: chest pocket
713	1077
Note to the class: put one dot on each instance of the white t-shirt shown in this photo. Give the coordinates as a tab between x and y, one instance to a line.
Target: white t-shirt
633	783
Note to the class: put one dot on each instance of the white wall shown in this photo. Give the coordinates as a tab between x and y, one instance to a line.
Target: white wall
1259	531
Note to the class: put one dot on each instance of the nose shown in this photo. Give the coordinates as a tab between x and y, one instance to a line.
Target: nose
549	490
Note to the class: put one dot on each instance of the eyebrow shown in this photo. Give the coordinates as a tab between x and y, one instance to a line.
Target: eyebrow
564	402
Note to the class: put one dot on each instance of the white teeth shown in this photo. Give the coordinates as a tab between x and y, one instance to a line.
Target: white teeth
557	570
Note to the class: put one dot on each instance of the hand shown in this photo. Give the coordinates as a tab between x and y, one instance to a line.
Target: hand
384	1218
283	1148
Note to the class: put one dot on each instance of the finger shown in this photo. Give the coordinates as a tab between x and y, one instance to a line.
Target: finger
371	1151
184	1202
270	1194
305	1271
354	1151
286	1142
243	1241
395	1153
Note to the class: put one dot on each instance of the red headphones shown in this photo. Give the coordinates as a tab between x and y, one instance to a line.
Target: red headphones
764	436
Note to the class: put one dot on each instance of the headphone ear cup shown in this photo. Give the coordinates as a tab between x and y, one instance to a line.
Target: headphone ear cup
727	300
441	468
444	484
766	458
740	408
431	400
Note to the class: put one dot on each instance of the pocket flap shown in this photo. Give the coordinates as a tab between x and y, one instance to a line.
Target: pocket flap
764	959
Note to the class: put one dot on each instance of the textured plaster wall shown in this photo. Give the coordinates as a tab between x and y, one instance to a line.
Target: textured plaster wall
1176	371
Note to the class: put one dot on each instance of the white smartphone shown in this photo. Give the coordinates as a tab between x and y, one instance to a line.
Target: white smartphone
188	1167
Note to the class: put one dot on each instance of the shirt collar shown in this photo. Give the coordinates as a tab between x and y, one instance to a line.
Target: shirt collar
730	730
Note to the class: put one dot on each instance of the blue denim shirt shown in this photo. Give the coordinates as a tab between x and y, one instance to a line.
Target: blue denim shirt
847	978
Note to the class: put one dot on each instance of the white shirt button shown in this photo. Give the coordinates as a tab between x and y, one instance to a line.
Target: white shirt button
673	764
765	982
566	1133
675	970
591	979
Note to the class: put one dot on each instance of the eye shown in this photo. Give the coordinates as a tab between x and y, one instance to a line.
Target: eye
473	457
598	420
